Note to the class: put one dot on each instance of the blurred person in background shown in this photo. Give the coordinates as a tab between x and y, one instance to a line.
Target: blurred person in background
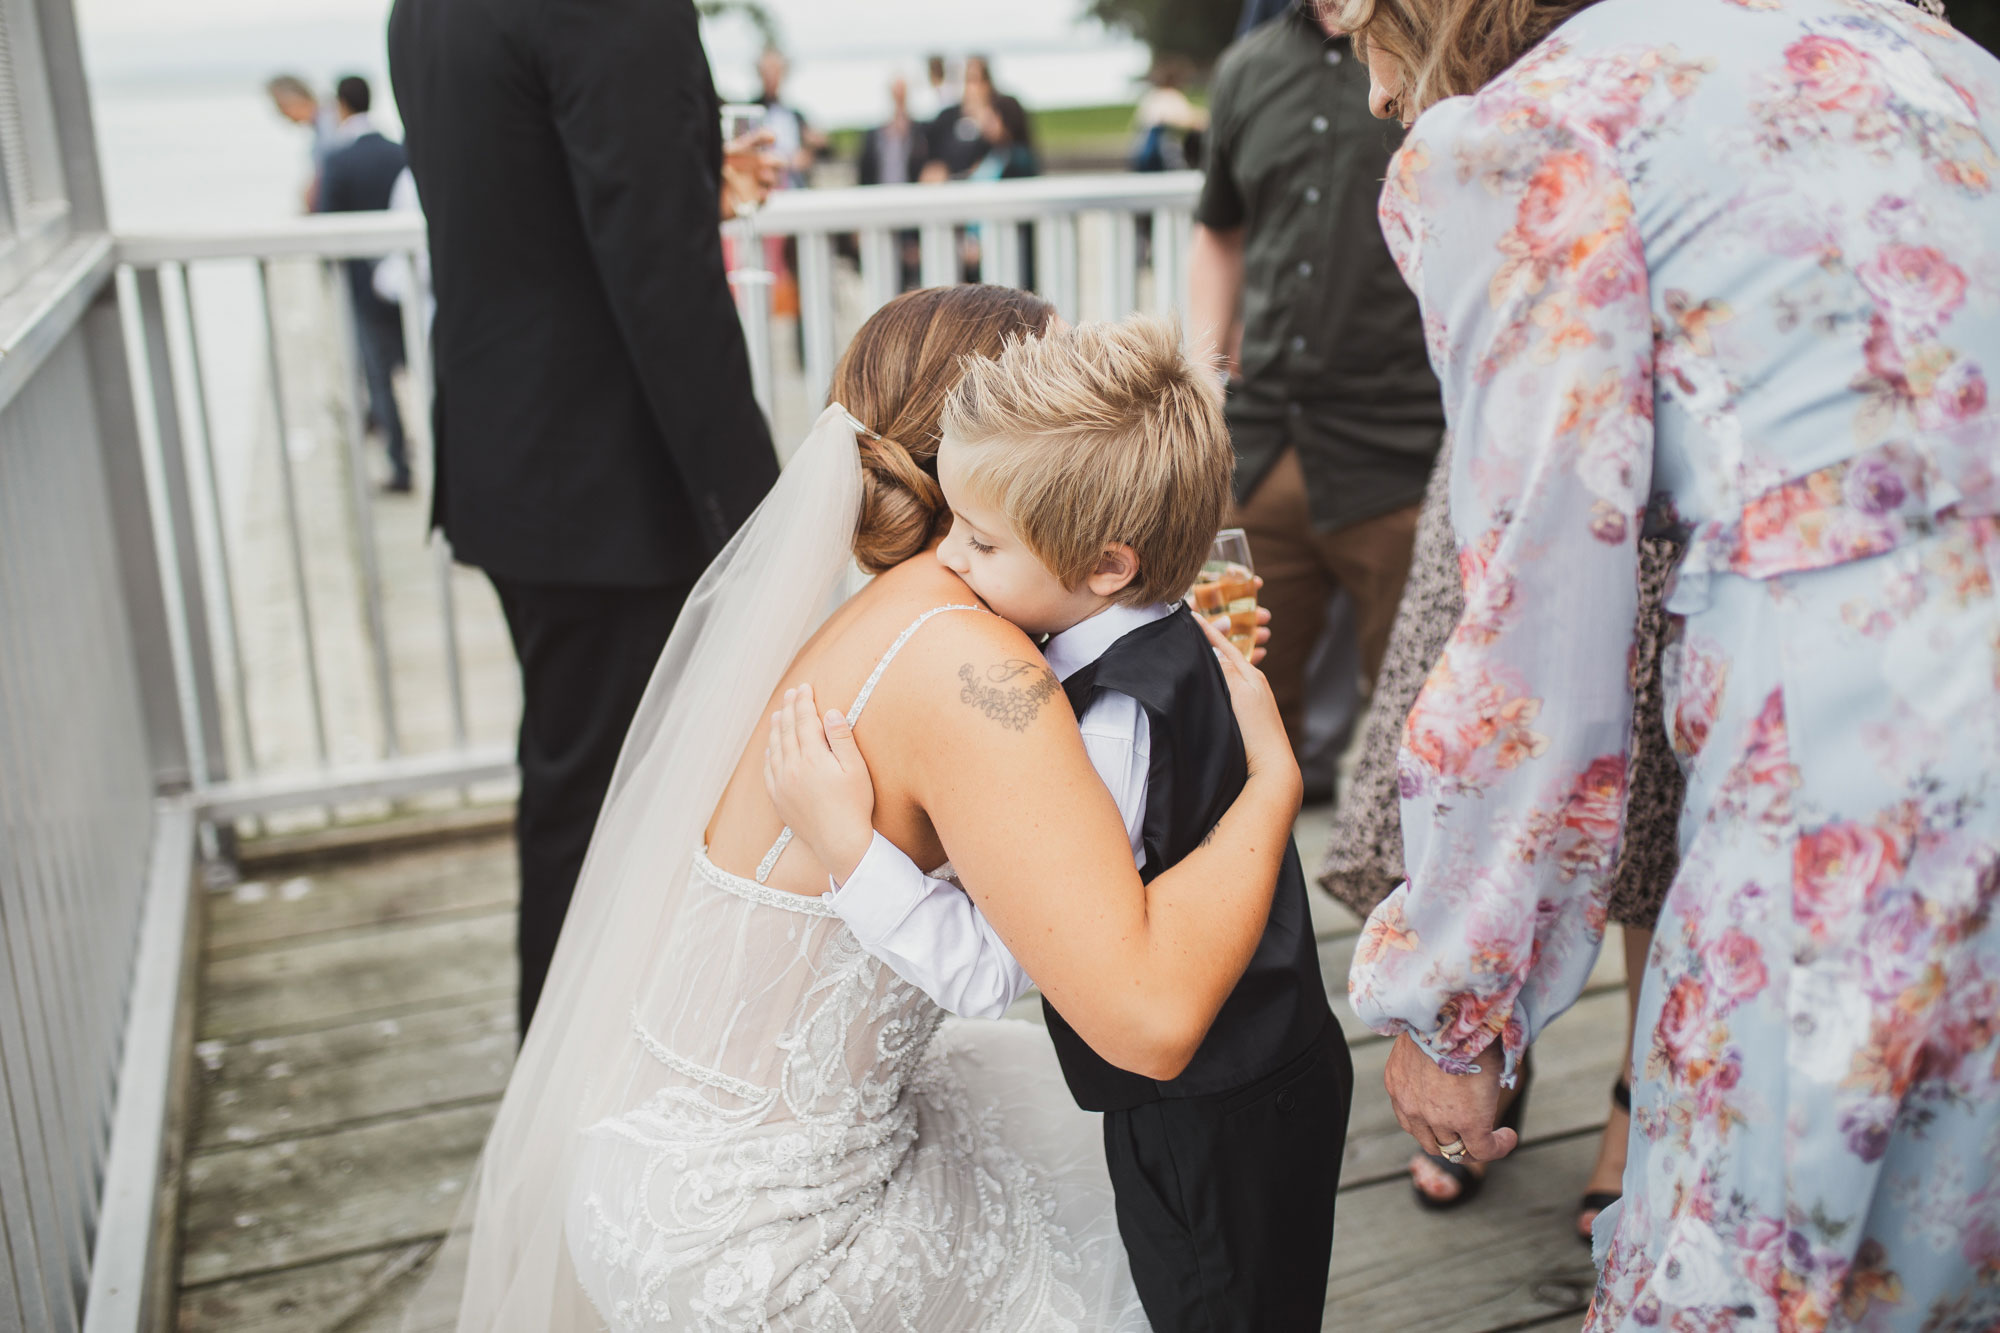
957	142
1014	120
938	92
797	145
1003	128
1166	125
597	440
1332	406
297	102
894	153
358	175
794	139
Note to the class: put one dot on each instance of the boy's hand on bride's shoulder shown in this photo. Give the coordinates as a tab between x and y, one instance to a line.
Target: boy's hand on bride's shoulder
1266	748
819	782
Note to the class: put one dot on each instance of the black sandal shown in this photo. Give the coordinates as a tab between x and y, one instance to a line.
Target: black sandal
1469	1181
1598	1200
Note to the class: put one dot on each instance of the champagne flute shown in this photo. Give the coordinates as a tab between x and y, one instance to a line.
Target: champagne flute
1227	586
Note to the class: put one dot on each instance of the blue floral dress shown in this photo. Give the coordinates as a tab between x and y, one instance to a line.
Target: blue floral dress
1730	268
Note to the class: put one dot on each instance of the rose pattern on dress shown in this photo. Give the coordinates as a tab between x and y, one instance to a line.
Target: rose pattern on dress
1750	279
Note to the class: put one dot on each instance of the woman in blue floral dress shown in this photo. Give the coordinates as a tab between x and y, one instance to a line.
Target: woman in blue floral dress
1729	268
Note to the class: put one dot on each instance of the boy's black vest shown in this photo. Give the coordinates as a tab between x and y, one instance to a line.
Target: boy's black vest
1197	771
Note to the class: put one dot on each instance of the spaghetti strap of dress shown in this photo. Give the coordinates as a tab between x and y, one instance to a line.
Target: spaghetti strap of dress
770	861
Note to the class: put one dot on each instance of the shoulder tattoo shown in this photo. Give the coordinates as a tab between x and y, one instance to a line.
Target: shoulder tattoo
1011	693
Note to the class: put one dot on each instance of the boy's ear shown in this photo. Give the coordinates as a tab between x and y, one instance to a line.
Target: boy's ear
1116	568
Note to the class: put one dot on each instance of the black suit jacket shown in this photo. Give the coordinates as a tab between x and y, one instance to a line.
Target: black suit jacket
357	178
594	419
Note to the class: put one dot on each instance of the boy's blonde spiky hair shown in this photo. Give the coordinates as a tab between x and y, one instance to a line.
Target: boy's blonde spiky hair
1097	434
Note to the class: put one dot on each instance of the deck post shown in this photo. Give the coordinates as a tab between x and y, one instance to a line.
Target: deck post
207	757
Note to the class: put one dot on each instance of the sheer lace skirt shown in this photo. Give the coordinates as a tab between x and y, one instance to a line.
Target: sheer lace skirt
804	1143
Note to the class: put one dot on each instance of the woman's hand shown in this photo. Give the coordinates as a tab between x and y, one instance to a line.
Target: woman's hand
819	782
1439	1110
1265	746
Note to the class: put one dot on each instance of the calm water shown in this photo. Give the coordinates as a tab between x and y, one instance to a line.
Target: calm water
181	150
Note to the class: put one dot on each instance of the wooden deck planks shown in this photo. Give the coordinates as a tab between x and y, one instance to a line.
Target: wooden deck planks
290	907
358	1026
299	1201
357	1030
351	1293
352	976
1506	1259
255	1089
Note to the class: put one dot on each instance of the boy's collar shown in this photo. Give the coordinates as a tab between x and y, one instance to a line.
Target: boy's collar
1084	642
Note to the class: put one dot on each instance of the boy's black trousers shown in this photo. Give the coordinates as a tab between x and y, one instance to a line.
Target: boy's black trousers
1225	1203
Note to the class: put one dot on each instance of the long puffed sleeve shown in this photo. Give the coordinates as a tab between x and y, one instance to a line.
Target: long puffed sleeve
1518	236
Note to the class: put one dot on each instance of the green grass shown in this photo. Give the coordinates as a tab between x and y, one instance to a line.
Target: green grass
1058	133
1071	131
1082	124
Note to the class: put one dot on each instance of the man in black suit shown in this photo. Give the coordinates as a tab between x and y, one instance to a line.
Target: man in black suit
360	170
597	441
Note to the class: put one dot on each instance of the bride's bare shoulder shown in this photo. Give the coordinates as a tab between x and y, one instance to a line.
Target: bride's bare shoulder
922	584
972	671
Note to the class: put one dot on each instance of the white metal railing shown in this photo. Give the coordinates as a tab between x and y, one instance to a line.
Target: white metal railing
96	853
1080	248
306	679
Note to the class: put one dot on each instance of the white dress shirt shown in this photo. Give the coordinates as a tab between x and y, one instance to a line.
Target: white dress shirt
924	926
346	130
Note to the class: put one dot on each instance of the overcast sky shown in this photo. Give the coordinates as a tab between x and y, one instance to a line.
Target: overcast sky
843	50
825	26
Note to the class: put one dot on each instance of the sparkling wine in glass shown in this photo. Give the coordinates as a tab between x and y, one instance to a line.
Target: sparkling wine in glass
1226	587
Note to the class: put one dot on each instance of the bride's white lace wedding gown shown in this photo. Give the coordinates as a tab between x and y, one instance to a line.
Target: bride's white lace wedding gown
725	1115
808	1143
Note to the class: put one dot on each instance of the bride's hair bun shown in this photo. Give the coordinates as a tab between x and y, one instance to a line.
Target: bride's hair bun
901	503
894	378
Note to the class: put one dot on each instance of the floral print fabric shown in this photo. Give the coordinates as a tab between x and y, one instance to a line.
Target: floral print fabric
1729	269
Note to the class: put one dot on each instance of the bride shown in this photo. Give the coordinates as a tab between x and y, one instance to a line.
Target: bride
726	1115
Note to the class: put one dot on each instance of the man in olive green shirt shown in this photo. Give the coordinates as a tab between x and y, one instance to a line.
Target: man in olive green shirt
1332	404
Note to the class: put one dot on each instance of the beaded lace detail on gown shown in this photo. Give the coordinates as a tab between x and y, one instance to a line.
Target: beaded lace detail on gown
812	1145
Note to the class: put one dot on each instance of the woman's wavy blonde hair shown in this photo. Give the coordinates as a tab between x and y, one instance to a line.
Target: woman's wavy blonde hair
1447	48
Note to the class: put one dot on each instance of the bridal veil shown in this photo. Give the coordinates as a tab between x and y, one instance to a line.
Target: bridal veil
505	1264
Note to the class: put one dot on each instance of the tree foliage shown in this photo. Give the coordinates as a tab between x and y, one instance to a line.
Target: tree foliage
1195	30
759	17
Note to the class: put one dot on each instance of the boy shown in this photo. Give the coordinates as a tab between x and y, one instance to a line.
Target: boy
1086	472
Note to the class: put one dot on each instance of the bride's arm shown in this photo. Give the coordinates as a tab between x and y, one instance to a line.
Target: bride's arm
1038	842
